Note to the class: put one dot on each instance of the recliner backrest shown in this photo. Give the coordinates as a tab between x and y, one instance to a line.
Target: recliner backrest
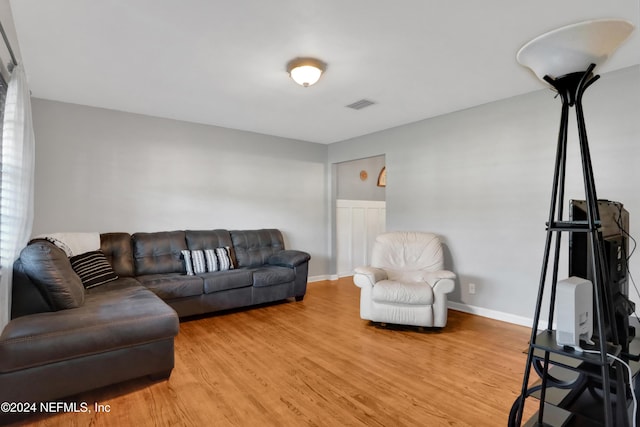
405	255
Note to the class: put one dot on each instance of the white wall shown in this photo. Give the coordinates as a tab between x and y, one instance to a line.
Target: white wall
481	178
103	170
351	187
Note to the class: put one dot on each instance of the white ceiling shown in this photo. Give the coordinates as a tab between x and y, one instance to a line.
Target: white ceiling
223	62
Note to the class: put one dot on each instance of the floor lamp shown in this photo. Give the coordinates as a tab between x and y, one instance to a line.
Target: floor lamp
565	59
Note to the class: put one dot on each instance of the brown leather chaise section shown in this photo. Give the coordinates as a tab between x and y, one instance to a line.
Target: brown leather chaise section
116	315
121	331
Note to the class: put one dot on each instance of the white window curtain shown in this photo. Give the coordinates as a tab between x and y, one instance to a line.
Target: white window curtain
16	189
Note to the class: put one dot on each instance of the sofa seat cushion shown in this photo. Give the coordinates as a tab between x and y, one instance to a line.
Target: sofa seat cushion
223	280
272	275
118	315
174	285
393	292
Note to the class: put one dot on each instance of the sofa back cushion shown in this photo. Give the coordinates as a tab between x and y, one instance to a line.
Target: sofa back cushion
158	253
48	267
117	248
208	239
253	247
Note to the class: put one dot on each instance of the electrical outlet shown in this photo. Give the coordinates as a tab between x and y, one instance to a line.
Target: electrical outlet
472	288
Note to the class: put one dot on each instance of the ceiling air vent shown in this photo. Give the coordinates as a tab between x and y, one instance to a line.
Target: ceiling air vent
359	105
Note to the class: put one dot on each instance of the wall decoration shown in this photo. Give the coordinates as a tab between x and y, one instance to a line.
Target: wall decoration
364	175
382	177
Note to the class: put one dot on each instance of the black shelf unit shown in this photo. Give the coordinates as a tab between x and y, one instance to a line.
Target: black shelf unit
589	371
546	341
573	396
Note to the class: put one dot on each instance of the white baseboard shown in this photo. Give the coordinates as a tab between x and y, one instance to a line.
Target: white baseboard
322	277
497	315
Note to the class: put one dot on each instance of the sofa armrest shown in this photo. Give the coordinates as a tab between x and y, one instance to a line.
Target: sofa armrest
368	276
288	258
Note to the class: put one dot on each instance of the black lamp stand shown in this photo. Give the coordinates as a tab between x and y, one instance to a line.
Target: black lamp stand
542	346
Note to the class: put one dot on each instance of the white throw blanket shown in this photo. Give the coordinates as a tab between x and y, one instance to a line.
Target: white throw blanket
73	243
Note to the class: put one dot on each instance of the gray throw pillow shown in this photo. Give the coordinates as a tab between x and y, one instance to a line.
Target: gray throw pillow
49	268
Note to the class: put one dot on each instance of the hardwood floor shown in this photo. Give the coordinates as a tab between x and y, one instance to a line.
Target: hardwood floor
316	363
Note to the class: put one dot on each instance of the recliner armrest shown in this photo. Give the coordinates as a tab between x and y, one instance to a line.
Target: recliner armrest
434	276
288	258
368	276
442	281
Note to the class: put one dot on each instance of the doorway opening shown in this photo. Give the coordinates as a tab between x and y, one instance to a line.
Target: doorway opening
360	200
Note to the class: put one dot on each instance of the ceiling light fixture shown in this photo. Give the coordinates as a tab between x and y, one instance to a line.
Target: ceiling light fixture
305	71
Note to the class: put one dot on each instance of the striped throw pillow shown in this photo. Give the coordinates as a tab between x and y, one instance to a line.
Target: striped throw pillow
197	258
212	260
186	261
207	260
193	262
93	269
224	259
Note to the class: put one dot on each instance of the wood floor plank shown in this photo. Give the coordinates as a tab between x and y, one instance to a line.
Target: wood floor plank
316	363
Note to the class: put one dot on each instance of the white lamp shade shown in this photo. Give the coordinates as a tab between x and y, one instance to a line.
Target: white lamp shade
306	75
573	48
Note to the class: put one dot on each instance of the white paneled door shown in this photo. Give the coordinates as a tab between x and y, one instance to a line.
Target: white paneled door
358	222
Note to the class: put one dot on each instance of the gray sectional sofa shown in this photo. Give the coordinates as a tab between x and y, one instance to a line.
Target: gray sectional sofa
64	339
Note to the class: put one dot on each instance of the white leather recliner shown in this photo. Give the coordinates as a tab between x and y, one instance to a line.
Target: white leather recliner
405	283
